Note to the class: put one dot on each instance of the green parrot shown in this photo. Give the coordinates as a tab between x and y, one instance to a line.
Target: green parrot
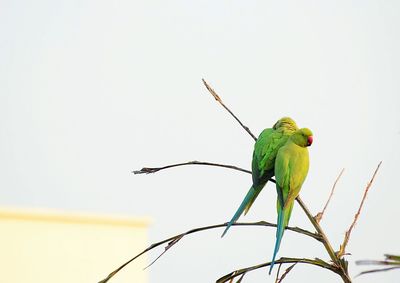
291	168
265	151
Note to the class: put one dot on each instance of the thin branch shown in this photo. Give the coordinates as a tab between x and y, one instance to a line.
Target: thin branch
342	250
393	257
317	227
241	278
316	262
378	270
286	272
149	170
319	216
340	264
393	260
175	239
170	244
217	98
277	273
377	262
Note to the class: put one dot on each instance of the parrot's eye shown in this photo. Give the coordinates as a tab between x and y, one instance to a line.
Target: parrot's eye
309	140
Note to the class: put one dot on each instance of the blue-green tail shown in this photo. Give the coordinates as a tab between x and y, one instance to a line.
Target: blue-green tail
279	234
252	193
283	220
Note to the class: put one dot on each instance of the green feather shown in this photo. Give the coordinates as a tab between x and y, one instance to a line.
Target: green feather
263	163
291	168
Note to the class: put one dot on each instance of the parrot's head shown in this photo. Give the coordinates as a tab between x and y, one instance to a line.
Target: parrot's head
286	123
303	137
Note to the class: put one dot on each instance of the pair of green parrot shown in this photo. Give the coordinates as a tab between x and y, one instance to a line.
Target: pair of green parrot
280	151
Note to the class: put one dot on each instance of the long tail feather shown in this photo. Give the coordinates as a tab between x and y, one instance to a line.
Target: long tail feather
283	221
249	198
251	201
279	234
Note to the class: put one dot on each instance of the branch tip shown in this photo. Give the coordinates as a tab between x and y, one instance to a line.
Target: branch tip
218	98
319	216
346	239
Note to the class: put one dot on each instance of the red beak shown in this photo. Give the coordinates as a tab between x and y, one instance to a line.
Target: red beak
309	140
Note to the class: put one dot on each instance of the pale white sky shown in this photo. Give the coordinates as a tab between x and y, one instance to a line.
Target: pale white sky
90	90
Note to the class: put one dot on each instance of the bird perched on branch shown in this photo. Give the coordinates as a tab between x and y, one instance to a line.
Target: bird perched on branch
291	168
265	151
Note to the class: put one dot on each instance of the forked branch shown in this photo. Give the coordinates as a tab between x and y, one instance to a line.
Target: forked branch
280	279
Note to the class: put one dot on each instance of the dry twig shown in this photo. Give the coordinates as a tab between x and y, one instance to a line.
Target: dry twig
319	216
392	260
149	170
286	272
339	264
378	270
277	273
217	98
342	250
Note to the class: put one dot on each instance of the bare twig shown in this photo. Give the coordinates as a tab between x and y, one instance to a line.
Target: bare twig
217	98
393	260
277	273
317	227
319	216
175	239
170	244
241	278
149	170
377	262
315	262
326	243
340	264
286	272
342	250
378	270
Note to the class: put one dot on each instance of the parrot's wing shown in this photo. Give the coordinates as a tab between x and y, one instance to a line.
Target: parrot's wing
264	155
265	151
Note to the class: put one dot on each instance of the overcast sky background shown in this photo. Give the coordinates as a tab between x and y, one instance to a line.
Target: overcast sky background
91	90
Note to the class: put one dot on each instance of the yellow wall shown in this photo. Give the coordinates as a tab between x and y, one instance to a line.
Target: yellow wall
51	247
